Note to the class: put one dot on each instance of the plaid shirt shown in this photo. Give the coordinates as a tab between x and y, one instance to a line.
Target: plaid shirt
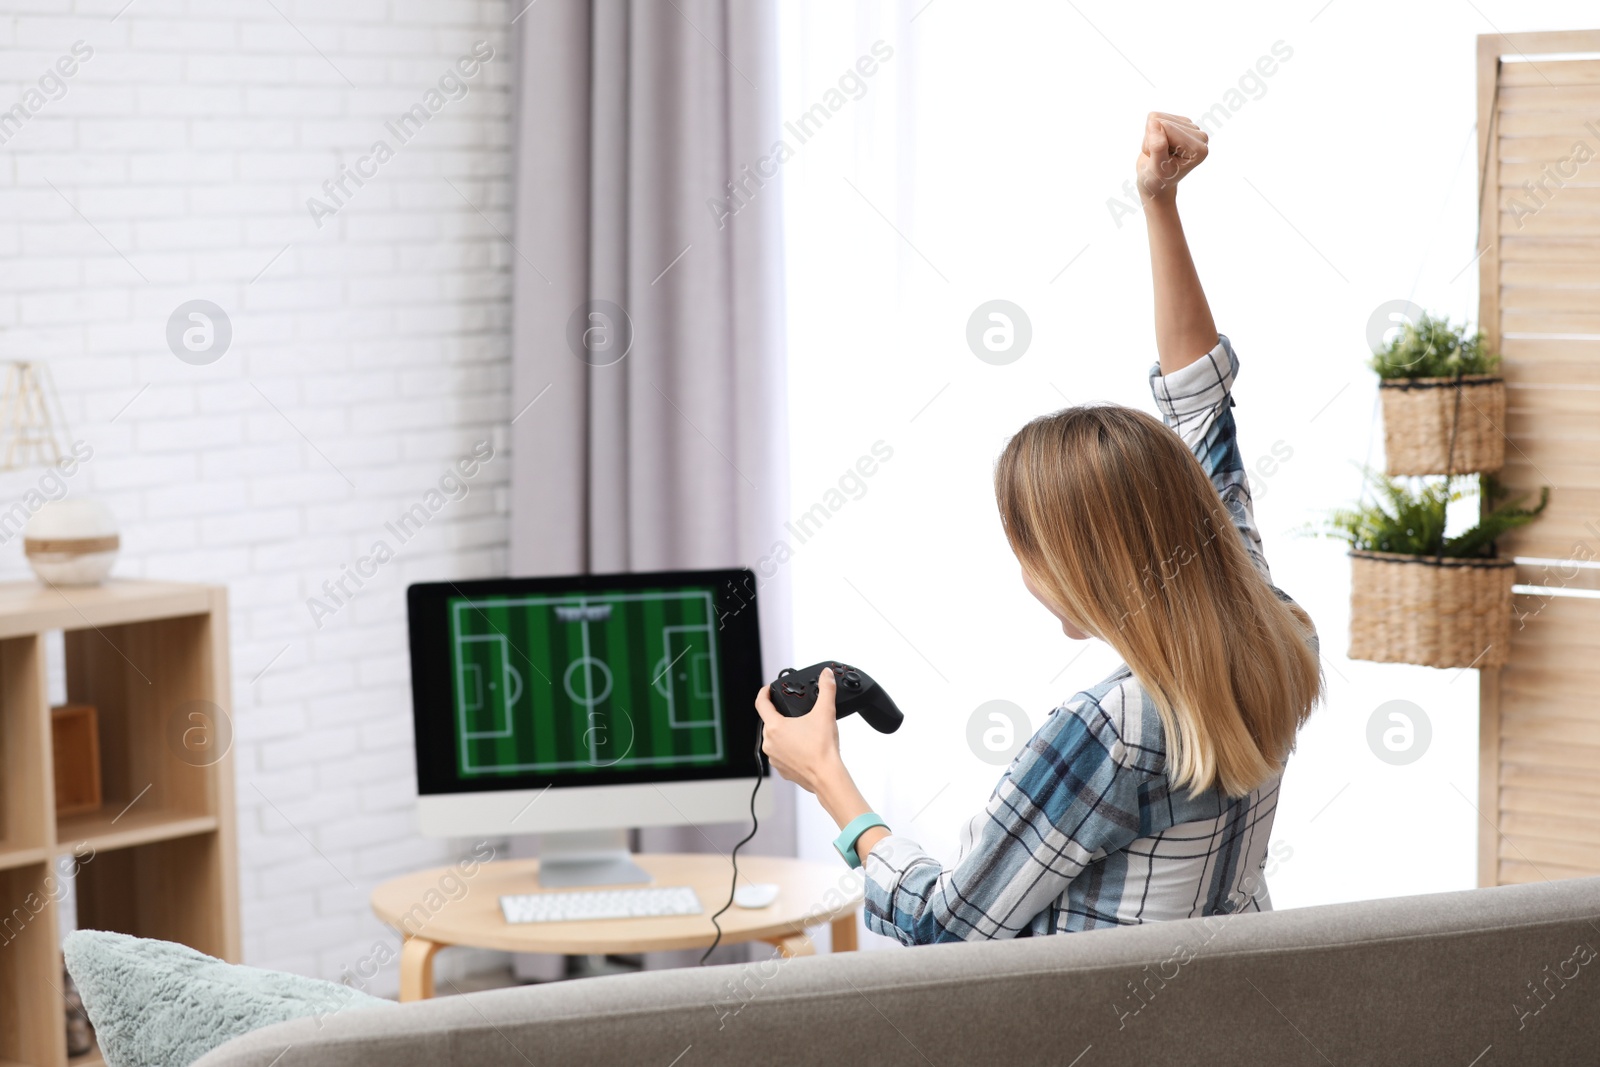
1084	830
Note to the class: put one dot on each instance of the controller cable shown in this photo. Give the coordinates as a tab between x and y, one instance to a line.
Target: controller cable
761	769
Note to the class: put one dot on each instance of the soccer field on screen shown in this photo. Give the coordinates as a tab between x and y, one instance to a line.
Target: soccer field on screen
596	682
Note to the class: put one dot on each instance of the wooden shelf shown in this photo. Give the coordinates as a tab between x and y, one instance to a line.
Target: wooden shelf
104	830
32	608
21	857
157	859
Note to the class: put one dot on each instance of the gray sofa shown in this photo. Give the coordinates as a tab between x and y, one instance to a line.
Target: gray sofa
1486	978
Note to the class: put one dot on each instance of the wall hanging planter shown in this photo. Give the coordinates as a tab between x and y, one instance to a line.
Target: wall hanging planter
1435	612
1420	596
1444	425
1444	407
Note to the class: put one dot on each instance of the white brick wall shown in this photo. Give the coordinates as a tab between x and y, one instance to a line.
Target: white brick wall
189	142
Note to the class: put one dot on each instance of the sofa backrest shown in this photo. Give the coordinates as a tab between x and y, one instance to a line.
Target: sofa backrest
1487	978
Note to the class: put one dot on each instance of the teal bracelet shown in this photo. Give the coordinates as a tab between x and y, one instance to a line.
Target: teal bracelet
845	843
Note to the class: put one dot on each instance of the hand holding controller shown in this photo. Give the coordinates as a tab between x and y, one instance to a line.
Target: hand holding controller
794	693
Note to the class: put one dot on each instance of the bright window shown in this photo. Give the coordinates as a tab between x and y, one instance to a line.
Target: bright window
984	157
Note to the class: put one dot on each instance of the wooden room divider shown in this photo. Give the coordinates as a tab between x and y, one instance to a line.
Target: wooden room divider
1539	277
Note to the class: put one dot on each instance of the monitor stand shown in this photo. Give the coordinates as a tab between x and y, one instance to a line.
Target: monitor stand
594	857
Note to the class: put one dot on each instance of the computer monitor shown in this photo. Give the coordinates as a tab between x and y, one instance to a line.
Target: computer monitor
580	707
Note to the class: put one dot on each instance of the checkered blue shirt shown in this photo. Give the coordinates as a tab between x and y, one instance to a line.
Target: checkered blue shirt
1084	830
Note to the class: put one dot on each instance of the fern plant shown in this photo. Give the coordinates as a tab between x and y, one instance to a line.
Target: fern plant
1411	520
1433	348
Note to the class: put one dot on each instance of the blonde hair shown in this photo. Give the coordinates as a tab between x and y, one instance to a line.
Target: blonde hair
1116	523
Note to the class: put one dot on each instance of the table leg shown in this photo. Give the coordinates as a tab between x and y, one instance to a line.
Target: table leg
416	968
794	945
844	933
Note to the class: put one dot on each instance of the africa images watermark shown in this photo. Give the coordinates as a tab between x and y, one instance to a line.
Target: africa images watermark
55	888
1553	177
453	487
851	485
1252	85
1141	994
752	178
51	486
1155	577
1543	993
1559	578
753	979
52	85
453	84
451	887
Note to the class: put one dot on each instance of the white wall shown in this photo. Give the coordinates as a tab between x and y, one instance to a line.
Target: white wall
978	164
368	355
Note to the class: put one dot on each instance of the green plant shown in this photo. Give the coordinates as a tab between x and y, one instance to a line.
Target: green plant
1432	348
1410	520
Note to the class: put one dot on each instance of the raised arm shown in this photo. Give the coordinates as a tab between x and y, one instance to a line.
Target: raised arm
1196	401
1173	146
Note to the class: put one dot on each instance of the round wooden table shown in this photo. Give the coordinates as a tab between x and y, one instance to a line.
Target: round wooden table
445	906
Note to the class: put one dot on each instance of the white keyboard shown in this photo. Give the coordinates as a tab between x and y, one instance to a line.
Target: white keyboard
600	904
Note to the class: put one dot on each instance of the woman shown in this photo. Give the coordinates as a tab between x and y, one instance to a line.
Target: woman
1150	796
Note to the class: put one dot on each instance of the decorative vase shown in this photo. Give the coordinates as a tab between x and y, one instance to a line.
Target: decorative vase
71	542
1432	612
1444	425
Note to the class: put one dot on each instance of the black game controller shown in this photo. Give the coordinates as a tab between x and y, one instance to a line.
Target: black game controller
795	693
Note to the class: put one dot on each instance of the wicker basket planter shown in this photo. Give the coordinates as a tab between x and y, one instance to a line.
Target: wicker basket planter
1431	612
1418	414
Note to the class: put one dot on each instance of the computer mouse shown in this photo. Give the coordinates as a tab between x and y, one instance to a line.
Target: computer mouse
756	895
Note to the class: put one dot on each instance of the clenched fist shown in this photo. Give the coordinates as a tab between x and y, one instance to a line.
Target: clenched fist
1173	146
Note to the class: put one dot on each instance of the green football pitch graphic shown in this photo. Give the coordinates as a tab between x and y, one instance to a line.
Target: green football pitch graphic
589	682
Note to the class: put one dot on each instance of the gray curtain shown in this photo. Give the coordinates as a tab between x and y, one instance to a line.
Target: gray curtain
647	360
